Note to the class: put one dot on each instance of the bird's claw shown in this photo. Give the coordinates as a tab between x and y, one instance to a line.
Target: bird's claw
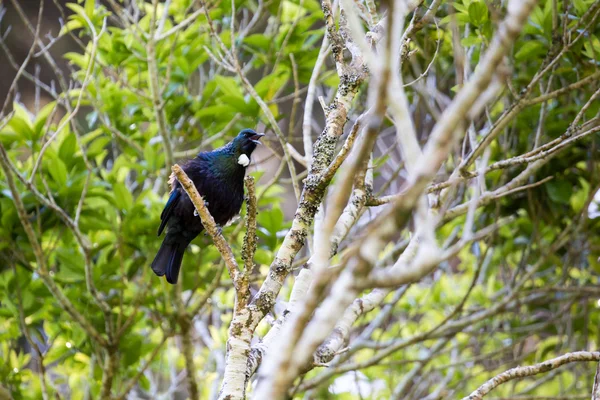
219	231
196	211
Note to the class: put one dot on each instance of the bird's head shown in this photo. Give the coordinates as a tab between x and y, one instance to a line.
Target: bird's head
246	141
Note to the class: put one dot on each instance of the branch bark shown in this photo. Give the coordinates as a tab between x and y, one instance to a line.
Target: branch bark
522	372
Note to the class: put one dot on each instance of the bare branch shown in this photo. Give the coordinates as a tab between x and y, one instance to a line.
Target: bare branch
522	372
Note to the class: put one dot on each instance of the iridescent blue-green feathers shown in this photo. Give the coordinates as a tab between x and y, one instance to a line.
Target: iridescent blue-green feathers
166	212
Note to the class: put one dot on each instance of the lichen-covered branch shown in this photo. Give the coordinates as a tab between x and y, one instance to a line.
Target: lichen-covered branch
522	372
312	194
596	387
310	99
362	257
238	343
250	239
280	368
338	338
305	278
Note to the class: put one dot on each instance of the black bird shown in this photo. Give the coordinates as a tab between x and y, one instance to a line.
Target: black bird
219	177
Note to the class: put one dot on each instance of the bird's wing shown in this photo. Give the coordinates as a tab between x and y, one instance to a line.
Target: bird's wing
166	213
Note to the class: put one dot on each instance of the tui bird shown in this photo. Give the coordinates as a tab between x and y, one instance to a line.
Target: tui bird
219	177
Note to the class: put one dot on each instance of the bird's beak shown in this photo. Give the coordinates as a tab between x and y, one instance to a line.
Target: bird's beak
256	138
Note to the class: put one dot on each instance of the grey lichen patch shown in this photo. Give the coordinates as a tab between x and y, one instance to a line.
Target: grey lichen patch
323	151
279	266
299	236
332	107
324	354
247	250
312	182
326	10
349	83
357	202
248	323
236	329
334	248
264	302
545	367
332	34
308	211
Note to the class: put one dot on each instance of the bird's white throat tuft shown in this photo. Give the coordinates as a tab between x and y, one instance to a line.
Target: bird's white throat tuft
243	160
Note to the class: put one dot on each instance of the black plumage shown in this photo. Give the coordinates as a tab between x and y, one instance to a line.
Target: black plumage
219	177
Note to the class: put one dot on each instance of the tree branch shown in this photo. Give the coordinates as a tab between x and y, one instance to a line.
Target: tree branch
522	372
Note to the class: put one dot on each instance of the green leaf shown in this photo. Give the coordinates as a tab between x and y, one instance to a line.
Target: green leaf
470	41
20	123
14	361
580	6
270	84
77	9
579	198
150	157
263	257
42	118
7	136
459	7
97	146
9	213
228	86
58	171
71	25
89	7
271	220
478	13
123	197
236	103
217	111
529	49
132	347
67	148
291	12
559	191
71	264
592	48
258	41
80	60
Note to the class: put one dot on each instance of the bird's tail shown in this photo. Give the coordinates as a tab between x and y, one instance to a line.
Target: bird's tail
168	260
